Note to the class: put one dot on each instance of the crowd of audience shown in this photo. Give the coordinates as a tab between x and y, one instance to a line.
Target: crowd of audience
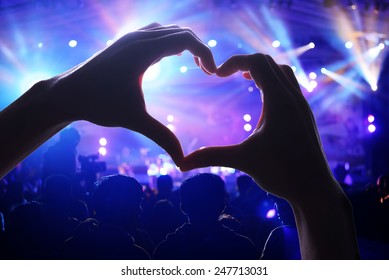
121	219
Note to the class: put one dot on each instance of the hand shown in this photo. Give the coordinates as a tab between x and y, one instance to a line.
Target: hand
283	154
285	157
106	89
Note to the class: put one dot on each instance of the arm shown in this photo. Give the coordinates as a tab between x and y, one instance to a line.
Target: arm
284	156
109	82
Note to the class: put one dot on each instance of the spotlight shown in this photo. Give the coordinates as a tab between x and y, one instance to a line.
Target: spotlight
370	118
271	213
276	44
183	69
250	89
247	127
102	151
72	43
374	87
348	45
323	70
247	117
40	45
381	46
103	141
371	128
312	84
152	73
311	45
170	118
212	43
312	75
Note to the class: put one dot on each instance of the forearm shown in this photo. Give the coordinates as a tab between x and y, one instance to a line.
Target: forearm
326	226
27	123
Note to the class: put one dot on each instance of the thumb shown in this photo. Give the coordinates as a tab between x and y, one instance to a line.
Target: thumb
228	156
162	136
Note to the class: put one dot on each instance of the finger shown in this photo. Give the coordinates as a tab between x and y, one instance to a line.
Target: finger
227	156
288	72
178	42
162	136
150	26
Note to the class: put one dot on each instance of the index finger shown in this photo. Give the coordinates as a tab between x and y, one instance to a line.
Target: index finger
175	43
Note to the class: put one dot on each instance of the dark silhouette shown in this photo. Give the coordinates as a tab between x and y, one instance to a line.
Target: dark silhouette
117	206
204	237
60	159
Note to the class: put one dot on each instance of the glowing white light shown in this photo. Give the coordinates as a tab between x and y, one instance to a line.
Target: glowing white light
250	89
32	79
152	73
102	151
247	127
247	117
323	70
312	75
214	170
228	170
348	45
183	69
171	127
109	42
347	166
370	118
40	45
170	118
103	141
311	45
371	128
381	46
374	87
276	44
72	43
271	213
293	68
212	43
312	84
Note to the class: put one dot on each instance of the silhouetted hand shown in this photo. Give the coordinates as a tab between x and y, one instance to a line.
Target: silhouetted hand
106	89
285	157
283	154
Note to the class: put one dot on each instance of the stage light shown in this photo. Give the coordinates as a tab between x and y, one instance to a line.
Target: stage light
271	213
370	118
276	44
247	117
40	45
312	75
293	68
348	45
323	70
250	89
381	46
73	43
171	127
312	84
347	166
103	141
247	127
311	45
212	43
102	151
371	128
374	87
183	69
170	118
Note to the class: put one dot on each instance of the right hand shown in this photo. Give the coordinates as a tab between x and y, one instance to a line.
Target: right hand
284	154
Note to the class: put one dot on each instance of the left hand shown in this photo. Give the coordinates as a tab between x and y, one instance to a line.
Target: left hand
107	89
